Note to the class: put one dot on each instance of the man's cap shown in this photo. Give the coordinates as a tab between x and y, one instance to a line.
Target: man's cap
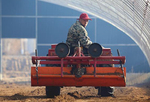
84	16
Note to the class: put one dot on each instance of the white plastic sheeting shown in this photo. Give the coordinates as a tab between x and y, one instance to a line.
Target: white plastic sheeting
130	16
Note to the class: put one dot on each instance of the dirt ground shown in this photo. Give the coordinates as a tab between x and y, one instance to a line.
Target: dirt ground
12	92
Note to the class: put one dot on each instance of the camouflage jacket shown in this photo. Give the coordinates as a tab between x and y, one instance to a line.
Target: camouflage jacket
78	33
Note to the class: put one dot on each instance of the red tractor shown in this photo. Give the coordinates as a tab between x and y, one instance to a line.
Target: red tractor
59	68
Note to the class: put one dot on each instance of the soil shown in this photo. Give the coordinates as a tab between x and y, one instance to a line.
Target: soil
23	92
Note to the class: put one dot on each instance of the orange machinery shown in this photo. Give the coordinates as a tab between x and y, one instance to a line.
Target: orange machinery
59	69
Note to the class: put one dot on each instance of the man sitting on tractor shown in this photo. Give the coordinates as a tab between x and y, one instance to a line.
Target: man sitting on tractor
77	33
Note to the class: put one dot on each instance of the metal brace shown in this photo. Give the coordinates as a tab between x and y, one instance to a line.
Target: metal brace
36	66
120	63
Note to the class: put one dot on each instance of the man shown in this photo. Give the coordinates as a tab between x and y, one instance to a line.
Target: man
77	33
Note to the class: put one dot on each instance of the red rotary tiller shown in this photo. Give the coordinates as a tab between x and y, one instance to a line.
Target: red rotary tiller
59	69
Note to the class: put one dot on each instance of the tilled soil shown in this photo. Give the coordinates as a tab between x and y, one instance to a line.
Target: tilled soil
11	92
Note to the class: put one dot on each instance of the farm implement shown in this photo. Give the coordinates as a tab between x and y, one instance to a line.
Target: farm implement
59	68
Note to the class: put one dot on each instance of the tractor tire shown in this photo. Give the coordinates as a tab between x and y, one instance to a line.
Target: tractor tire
106	91
52	91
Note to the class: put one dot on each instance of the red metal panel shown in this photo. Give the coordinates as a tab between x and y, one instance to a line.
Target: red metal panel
53	46
68	81
51	76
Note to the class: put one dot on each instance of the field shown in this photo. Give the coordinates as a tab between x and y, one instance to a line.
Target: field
23	92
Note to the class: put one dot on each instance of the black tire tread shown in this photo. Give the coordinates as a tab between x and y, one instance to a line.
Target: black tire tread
52	91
